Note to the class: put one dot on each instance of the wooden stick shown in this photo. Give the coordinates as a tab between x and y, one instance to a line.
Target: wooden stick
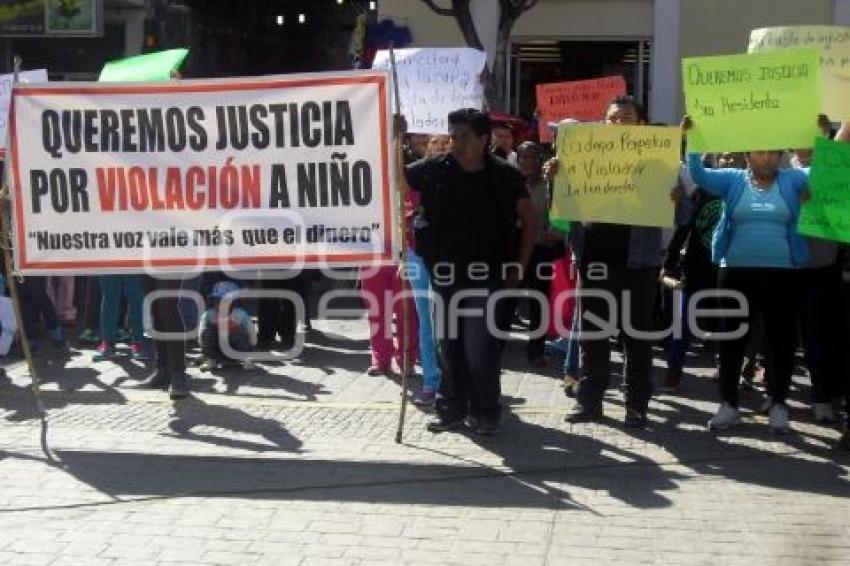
401	188
11	277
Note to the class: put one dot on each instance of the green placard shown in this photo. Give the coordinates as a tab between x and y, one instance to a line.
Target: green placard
142	68
827	214
753	102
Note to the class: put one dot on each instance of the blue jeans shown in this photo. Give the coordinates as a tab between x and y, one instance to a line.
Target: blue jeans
111	287
420	283
677	348
571	357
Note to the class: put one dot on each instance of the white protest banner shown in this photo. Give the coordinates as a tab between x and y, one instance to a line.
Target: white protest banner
6	82
434	82
253	173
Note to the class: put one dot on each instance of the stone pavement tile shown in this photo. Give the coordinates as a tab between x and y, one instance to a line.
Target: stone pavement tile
225	558
325	550
373	553
31	560
75	561
130	553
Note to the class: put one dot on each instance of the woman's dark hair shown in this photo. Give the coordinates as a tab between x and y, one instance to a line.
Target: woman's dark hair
530	147
478	121
624	100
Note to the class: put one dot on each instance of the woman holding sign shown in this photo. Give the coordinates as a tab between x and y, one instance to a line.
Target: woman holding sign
758	250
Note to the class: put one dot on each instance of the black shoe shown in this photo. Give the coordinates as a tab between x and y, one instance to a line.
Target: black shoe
487	427
580	414
635	419
178	391
154	382
441	425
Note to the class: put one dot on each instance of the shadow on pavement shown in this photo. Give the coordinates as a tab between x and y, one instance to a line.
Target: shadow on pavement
195	420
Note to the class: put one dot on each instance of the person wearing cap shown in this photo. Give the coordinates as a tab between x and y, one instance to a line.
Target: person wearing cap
218	326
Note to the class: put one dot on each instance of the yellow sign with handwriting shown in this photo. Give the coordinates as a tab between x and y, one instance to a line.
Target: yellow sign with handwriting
616	174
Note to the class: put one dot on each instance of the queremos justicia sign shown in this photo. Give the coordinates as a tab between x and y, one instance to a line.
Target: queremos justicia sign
245	173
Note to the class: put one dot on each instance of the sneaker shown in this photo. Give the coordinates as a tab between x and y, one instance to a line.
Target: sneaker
779	419
672	381
635	419
209	364
248	364
440	425
426	397
121	335
581	414
726	416
137	352
56	336
104	351
89	336
823	413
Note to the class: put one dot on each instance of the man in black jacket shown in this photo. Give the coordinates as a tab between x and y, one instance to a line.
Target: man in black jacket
466	234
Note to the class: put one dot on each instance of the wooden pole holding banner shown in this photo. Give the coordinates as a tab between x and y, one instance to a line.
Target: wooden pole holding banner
401	188
6	242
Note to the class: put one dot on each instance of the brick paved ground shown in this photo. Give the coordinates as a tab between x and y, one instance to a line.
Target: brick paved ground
296	463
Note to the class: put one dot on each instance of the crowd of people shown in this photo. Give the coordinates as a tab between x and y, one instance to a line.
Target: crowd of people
476	213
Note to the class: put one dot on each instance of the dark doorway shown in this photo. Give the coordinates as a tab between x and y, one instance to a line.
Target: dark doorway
259	37
550	61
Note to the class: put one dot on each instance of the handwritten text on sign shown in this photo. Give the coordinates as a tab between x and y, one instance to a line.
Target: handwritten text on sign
434	82
827	214
6	84
616	174
585	101
753	102
834	45
242	173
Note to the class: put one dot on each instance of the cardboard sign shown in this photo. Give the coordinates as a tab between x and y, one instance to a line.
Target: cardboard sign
585	101
834	45
753	102
434	82
616	174
827	214
212	174
6	84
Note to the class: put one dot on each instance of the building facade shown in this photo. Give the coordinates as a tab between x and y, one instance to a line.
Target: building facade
644	40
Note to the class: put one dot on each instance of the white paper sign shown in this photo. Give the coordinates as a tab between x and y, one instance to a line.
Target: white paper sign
253	173
434	82
6	82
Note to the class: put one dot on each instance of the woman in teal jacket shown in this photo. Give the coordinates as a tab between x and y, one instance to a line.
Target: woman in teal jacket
758	250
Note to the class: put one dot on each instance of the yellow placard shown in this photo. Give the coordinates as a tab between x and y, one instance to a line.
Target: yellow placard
834	45
616	174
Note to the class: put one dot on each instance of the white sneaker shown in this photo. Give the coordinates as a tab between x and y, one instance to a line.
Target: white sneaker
823	412
778	417
726	416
